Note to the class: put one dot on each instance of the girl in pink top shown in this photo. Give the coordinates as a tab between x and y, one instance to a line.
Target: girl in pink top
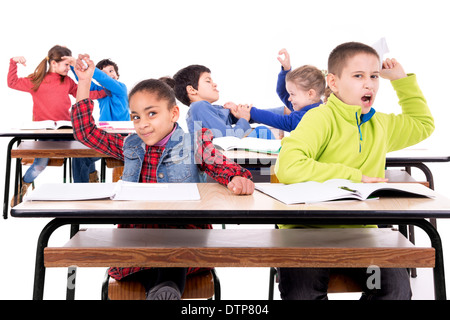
49	87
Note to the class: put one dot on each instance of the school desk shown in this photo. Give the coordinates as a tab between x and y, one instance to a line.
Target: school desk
417	157
219	206
406	158
18	135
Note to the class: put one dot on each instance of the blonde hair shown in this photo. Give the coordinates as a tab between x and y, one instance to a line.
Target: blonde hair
308	77
56	53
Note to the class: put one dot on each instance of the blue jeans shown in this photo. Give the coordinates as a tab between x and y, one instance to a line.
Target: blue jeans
312	283
82	167
39	165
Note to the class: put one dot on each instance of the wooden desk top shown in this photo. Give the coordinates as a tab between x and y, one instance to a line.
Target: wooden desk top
219	204
54	149
325	248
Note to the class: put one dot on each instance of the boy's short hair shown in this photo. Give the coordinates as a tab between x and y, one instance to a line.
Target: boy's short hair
188	76
105	63
338	58
157	87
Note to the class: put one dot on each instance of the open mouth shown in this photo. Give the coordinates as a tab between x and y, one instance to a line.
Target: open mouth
367	100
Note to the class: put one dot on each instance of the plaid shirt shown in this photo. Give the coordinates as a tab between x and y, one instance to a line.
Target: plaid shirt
210	160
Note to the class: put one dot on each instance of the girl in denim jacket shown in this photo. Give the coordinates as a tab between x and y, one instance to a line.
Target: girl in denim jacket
159	152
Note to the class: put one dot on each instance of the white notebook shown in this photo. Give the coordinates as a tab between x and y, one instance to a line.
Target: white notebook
116	191
339	189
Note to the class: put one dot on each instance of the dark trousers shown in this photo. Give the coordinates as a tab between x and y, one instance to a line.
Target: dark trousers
312	283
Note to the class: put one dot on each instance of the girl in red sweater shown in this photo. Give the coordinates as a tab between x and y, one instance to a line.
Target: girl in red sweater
49	87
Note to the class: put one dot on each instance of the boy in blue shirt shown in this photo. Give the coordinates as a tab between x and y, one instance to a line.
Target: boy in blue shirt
195	88
113	107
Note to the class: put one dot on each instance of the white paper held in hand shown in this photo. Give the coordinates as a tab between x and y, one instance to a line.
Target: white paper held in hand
381	48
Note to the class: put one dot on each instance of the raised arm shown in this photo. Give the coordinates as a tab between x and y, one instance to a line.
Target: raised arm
14	82
83	122
285	60
84	69
217	166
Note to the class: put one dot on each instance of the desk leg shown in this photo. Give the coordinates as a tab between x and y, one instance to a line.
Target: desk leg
421	166
102	169
8	177
39	271
72	271
438	271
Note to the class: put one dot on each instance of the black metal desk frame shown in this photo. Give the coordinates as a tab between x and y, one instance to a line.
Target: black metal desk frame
232	217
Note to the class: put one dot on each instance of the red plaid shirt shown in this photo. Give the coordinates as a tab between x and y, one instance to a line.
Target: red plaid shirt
210	160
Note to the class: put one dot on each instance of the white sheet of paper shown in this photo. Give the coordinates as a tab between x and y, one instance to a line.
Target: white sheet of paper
382	48
117	191
71	191
156	191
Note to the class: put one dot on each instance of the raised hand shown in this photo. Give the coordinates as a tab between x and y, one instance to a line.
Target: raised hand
84	67
20	60
392	70
286	60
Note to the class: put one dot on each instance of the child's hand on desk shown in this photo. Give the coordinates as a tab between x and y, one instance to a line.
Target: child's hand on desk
241	185
367	179
20	60
392	70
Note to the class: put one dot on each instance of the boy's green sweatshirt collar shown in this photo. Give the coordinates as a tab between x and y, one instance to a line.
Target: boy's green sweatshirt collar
349	112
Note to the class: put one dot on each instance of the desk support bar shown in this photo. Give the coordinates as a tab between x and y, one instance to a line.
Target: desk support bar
421	166
8	176
438	271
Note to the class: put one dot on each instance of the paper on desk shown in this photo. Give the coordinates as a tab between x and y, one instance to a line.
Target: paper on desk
116	191
156	191
71	191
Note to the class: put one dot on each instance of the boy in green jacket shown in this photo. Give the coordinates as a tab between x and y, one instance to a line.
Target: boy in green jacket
346	139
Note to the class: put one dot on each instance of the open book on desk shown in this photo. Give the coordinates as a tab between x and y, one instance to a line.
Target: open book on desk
116	191
339	189
248	143
46	124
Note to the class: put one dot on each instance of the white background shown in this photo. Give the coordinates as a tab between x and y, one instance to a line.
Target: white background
239	41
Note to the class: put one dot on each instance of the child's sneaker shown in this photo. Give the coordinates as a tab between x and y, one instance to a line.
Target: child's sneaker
23	191
164	291
93	177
